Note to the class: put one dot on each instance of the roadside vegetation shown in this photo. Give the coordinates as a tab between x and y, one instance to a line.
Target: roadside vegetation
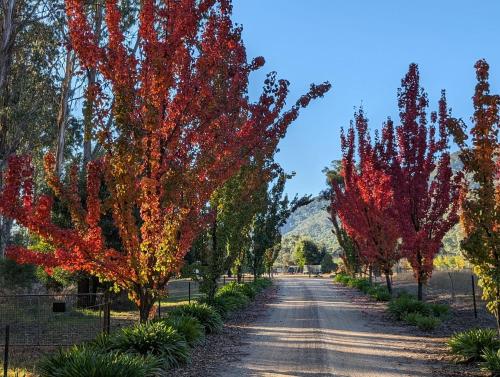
151	348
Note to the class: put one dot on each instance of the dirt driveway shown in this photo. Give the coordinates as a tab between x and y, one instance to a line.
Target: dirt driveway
314	330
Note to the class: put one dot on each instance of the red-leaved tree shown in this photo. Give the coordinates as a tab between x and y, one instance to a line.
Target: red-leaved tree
182	124
425	191
365	201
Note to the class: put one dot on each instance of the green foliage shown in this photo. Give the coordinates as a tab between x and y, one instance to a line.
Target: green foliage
327	264
376	291
261	283
311	221
470	345
423	322
156	338
83	361
57	280
189	327
307	252
491	362
268	222
379	293
246	289
207	315
230	301
16	275
401	306
439	310
449	262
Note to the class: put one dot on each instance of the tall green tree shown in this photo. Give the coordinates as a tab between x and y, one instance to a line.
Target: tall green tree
480	191
267	223
349	254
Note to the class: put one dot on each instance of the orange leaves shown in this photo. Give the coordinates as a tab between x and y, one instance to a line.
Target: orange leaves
182	125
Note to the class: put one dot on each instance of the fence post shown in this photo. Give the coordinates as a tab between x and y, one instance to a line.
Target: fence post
474	296
107	314
159	307
6	351
224	280
189	291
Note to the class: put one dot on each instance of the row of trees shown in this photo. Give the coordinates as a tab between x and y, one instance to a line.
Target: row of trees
171	145
395	195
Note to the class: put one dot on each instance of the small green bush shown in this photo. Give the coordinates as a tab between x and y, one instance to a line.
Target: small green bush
491	361
156	338
82	361
439	310
261	284
339	277
207	315
379	293
230	301
423	322
469	345
189	327
248	290
401	306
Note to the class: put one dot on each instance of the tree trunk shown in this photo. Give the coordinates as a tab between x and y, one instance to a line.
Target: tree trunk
62	116
83	289
388	282
7	43
239	274
146	304
370	274
420	284
5	228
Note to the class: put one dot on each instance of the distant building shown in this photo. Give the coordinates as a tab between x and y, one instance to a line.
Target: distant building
312	269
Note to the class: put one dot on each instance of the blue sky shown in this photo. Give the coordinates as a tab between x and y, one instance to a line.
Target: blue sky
364	47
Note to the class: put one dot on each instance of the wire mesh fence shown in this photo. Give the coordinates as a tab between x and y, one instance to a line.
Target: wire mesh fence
40	323
452	286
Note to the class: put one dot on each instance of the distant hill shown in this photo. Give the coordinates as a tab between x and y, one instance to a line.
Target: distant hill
312	221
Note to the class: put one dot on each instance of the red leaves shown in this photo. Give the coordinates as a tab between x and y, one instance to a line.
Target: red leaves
402	187
182	126
365	201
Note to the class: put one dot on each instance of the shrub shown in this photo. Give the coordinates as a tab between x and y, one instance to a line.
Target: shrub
401	306
491	361
248	290
81	361
189	327
14	275
343	279
232	301
217	304
338	278
156	338
470	345
207	315
261	284
379	293
421	321
439	310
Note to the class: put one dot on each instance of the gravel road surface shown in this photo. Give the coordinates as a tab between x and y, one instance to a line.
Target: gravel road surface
313	330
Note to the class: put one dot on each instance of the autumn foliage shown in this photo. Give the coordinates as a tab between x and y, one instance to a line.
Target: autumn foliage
480	195
426	192
402	190
181	125
365	201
